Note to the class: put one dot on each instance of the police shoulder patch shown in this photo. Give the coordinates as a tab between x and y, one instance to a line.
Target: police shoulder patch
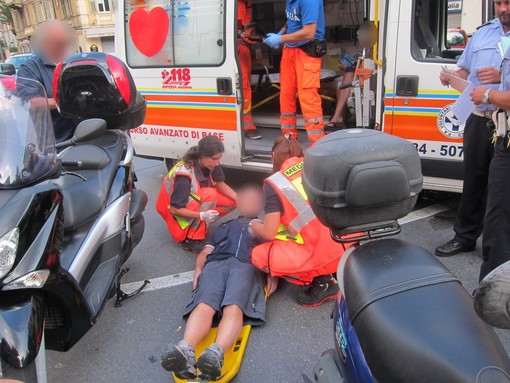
484	25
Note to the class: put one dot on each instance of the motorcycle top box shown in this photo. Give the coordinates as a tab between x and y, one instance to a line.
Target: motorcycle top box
98	85
358	177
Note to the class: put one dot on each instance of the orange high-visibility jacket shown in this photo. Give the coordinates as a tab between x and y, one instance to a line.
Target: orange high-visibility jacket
180	227
303	248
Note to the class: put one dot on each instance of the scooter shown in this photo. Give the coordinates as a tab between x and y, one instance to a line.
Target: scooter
69	219
400	315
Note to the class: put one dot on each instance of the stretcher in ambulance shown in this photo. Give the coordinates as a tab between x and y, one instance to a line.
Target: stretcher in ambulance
183	57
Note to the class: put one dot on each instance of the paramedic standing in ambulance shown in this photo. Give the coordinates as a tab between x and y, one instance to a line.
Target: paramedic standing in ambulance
244	52
300	68
479	64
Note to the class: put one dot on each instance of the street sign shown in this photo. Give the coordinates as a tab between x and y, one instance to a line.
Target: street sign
454	6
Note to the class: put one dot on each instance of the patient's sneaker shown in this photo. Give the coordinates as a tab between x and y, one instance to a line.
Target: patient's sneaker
321	289
180	359
210	363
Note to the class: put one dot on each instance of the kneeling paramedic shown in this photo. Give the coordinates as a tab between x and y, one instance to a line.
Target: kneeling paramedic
194	193
225	284
300	68
301	249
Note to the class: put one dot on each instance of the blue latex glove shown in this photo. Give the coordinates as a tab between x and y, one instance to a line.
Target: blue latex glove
273	40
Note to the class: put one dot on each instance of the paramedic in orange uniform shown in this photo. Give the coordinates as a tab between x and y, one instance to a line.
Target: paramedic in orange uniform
301	249
300	68
194	194
243	49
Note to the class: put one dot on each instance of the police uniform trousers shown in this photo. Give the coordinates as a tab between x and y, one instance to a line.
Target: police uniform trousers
496	236
478	152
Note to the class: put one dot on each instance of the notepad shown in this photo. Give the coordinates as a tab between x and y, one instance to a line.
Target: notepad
463	107
456	82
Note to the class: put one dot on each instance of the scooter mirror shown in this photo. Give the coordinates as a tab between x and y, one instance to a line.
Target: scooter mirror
85	131
7	69
89	129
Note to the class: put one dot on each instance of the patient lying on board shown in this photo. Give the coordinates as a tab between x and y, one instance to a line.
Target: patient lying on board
225	284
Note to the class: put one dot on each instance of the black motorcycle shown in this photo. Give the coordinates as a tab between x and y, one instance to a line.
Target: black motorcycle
68	219
401	316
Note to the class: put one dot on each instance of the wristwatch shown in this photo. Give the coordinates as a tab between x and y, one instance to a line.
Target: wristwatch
485	97
254	220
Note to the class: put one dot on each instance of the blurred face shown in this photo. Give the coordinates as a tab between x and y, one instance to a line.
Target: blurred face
210	162
502	8
58	44
250	202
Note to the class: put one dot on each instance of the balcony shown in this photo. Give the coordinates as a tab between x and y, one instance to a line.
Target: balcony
16	4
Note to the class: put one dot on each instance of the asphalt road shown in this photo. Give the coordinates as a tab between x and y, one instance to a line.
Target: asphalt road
125	344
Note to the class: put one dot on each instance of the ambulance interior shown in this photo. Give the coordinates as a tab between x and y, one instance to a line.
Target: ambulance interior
343	19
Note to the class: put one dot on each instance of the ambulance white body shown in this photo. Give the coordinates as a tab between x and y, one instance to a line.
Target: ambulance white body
183	57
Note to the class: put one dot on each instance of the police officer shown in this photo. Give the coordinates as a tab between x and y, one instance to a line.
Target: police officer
480	64
300	68
496	238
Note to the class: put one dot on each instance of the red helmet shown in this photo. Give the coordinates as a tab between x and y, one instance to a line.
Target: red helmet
98	85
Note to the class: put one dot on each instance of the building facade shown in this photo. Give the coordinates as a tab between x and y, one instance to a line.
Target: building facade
93	20
465	14
8	41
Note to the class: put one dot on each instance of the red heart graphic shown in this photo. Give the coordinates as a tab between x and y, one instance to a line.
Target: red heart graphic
149	29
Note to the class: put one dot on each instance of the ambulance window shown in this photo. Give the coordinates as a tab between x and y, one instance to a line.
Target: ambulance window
430	29
174	33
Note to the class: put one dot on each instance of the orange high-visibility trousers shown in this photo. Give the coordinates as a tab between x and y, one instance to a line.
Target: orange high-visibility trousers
197	229
301	74
245	59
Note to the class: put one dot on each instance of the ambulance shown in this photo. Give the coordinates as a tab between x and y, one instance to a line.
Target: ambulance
183	57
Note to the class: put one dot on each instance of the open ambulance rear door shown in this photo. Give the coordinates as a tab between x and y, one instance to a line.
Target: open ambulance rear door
182	57
417	106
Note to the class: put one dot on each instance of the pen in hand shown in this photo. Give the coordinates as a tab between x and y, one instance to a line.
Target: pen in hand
446	71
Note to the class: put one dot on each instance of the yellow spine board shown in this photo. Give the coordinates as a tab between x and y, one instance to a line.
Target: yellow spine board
233	357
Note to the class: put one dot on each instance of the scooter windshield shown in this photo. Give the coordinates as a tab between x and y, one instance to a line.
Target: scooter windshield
27	140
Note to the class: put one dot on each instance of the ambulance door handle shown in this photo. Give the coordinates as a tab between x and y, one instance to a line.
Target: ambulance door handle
407	86
224	86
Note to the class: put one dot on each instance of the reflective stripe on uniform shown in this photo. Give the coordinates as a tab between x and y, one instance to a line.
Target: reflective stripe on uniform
315	132
303	219
207	205
288	126
247	107
285	235
195	196
313	120
288	115
304	212
180	167
183	222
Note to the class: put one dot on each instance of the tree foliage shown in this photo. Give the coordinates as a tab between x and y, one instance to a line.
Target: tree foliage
6	16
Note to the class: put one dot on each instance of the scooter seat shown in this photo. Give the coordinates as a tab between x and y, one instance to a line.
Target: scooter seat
85	198
414	320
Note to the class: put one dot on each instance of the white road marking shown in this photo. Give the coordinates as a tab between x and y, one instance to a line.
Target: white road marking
423	213
161	282
187	277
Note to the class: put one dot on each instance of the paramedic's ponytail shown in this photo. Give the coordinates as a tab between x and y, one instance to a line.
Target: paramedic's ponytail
208	146
285	147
